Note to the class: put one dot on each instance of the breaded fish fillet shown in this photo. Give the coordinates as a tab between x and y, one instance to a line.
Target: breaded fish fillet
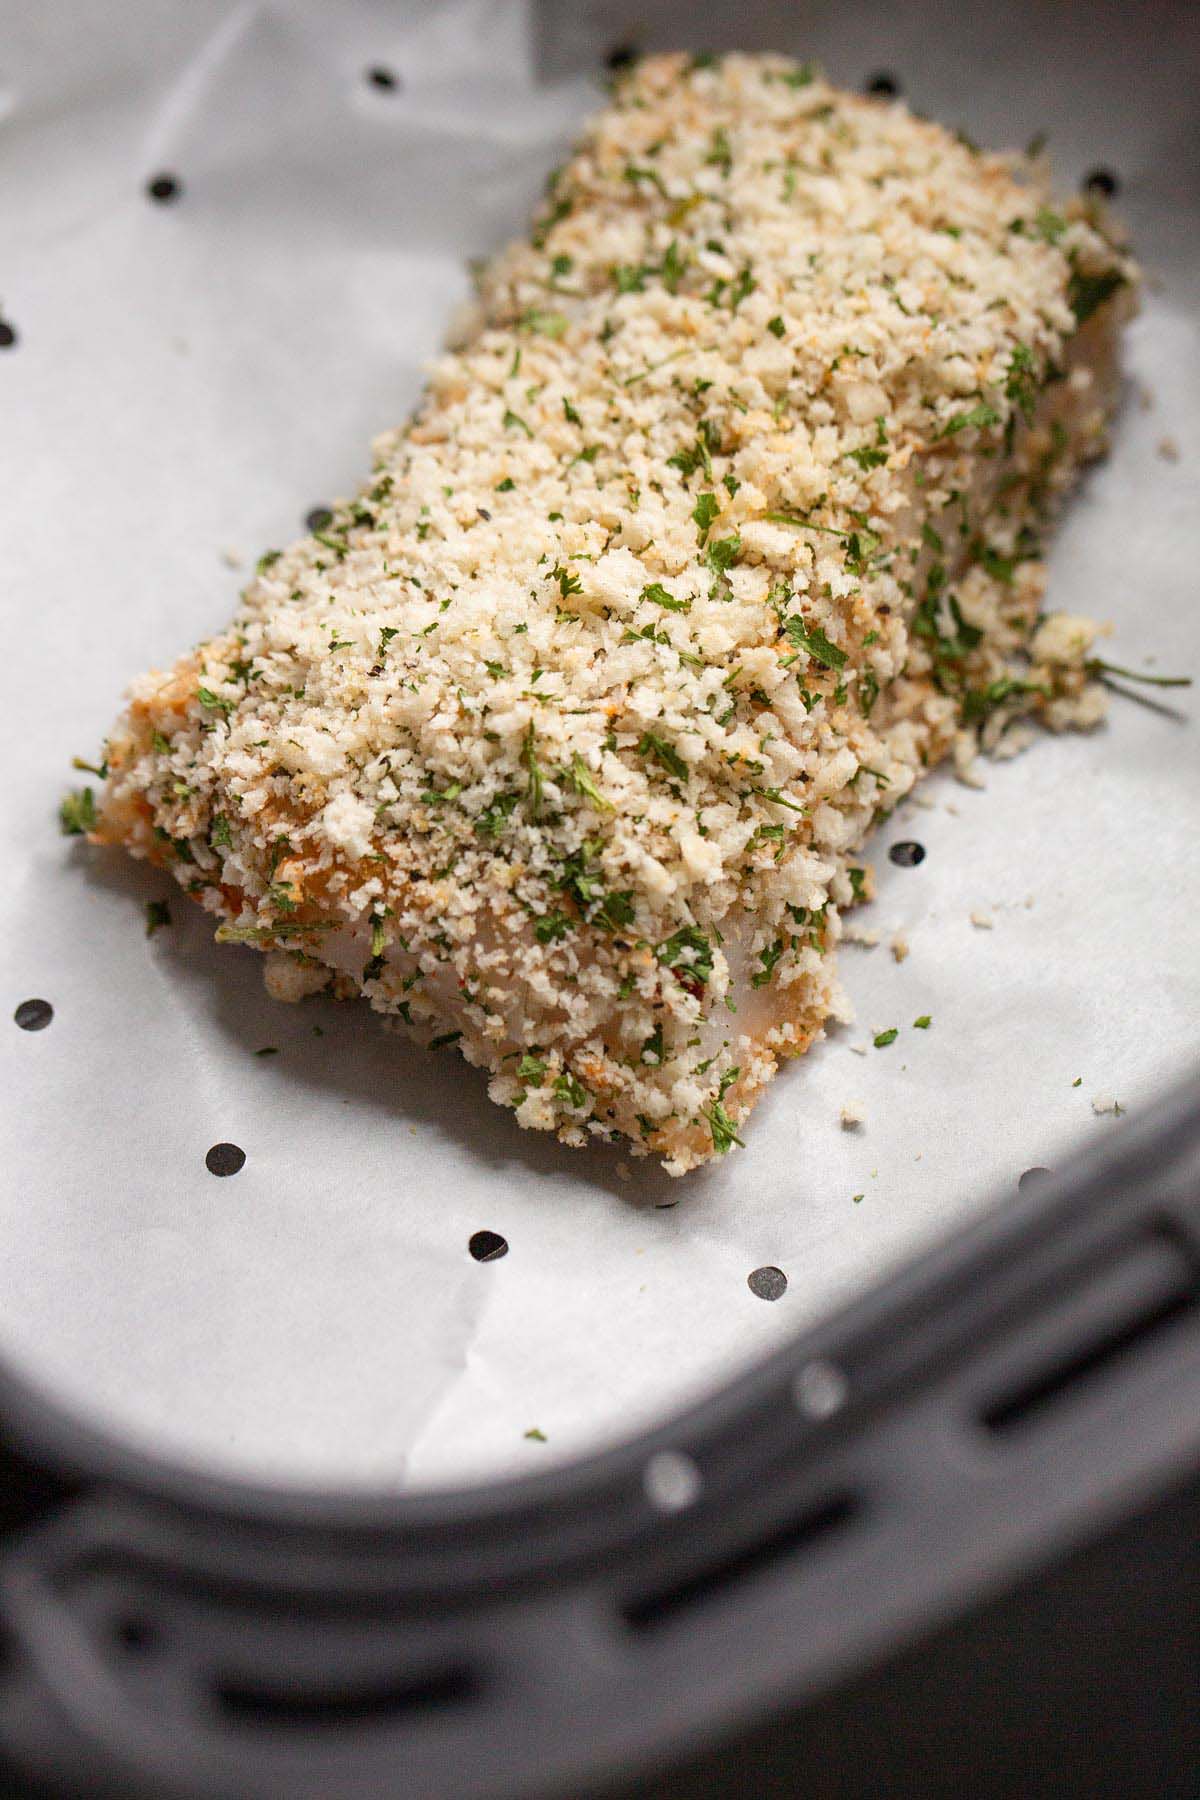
721	526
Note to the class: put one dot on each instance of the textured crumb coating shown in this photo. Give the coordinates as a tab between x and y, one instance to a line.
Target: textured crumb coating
718	528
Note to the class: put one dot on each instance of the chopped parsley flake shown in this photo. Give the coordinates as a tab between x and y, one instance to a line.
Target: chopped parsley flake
724	1132
77	813
1086	293
214	702
720	152
1020	385
568	582
571	1091
580	779
768	957
550	927
812	639
704	512
652	745
533	769
658	594
976	418
689	954
158	914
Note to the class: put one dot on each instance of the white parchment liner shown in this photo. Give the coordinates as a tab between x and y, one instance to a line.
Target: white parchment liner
188	380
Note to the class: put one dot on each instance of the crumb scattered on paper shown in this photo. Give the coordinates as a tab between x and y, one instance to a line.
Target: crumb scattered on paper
900	946
860	934
853	1114
1016	738
1106	1103
231	559
982	921
1168	449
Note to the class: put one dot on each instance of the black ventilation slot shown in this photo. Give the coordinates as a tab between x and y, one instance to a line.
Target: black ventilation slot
1095	1324
250	1701
662	1605
28	1492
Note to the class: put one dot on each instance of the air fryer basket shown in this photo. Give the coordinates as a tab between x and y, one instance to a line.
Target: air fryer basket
404	1455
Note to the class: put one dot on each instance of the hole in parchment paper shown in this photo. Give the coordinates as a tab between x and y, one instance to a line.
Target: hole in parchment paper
1035	1178
907	853
34	1015
620	56
1101	181
225	1159
769	1283
164	188
382	77
487	1246
8	335
883	83
318	518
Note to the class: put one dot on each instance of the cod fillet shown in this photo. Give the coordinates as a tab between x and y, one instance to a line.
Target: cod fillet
720	525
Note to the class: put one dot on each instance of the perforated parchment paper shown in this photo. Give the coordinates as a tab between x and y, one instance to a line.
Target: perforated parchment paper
187	379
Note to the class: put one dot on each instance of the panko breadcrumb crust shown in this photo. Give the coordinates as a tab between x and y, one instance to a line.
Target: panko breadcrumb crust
719	528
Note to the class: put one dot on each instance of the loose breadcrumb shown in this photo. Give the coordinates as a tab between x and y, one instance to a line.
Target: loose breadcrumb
900	947
853	1114
982	921
560	740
